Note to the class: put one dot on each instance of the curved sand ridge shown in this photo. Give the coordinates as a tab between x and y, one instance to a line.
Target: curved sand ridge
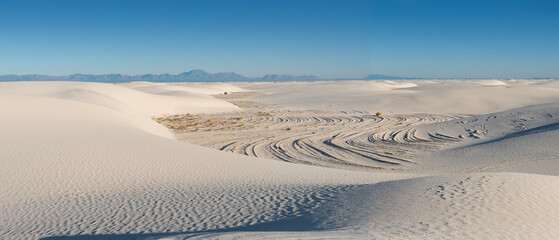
332	139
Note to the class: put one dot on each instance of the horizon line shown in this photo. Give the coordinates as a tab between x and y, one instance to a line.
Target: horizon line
377	76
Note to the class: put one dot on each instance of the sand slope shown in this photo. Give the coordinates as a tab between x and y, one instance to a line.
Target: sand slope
473	206
81	167
407	96
85	161
520	140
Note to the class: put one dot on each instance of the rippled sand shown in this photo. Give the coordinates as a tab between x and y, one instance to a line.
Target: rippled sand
352	140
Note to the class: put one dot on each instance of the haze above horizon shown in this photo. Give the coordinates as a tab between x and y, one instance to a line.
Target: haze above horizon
329	39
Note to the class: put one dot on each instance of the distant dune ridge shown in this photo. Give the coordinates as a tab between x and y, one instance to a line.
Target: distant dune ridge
191	76
83	160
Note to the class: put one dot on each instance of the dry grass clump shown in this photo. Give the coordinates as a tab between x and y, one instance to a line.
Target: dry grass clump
265	114
245	105
191	122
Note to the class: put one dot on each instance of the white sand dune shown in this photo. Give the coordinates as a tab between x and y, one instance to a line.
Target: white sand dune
191	88
493	82
73	166
85	161
474	206
390	85
429	96
520	140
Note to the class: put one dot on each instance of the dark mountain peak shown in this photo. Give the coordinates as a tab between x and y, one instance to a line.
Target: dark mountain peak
195	72
198	71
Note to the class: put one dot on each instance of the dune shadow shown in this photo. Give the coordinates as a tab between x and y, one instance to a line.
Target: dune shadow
326	217
302	223
294	224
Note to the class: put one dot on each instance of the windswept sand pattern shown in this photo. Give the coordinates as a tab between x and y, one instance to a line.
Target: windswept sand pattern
333	139
176	208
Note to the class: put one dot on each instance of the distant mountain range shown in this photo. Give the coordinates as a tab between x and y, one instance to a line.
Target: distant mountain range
384	77
192	76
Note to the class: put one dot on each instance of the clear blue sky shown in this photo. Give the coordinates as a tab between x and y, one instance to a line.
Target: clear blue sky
341	38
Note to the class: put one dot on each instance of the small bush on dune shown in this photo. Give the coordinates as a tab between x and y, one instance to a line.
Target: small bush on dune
378	114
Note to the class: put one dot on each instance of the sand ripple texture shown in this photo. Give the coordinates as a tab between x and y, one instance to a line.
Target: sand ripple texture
332	139
472	206
134	213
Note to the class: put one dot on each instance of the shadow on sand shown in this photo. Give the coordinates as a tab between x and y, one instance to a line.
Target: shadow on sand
322	219
295	224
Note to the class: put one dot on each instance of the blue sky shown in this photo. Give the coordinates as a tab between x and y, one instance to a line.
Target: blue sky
351	38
